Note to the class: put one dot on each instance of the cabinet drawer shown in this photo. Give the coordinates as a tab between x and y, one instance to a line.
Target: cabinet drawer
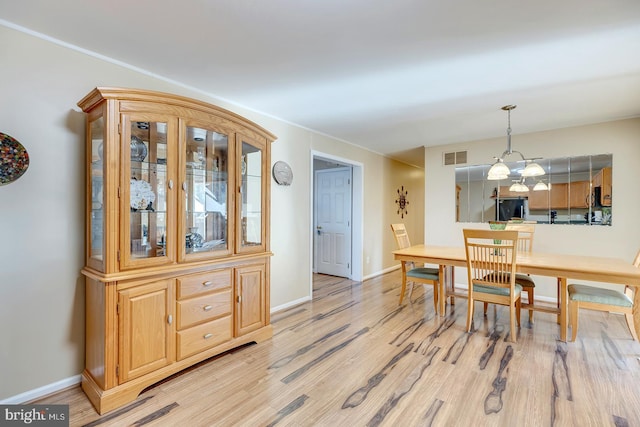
202	308
203	282
202	337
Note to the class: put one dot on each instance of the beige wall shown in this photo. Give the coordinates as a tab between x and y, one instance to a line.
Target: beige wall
622	239
42	214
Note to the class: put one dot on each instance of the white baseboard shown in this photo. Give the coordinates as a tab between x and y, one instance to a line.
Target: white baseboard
380	273
290	304
40	392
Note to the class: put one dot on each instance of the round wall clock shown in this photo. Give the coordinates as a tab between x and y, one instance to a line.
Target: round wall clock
282	173
14	159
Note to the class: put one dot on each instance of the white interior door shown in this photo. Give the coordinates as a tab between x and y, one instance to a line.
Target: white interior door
333	221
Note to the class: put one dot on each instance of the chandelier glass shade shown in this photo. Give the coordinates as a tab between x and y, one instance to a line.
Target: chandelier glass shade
540	186
499	170
519	187
532	169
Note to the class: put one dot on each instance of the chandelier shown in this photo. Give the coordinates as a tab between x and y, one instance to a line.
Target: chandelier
499	170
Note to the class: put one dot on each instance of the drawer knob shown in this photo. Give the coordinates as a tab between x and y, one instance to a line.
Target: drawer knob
207	307
207	283
207	336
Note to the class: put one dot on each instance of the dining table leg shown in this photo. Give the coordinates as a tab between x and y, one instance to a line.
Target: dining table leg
404	281
442	289
562	286
636	308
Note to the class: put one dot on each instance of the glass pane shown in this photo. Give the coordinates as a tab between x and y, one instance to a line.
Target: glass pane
148	202
206	191
573	190
251	171
96	218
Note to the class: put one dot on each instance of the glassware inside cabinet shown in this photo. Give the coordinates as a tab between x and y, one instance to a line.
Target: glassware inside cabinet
251	189
147	192
205	190
96	217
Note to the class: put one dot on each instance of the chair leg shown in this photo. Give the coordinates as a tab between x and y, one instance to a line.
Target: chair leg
573	319
413	284
512	318
518	310
530	298
486	305
435	296
470	314
402	290
631	325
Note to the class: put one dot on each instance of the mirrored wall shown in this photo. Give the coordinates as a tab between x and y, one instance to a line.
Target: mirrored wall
574	190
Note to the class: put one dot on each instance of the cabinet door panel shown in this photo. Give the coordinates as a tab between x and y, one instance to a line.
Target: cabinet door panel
539	200
96	192
606	187
579	194
559	196
147	190
205	201
146	329
252	176
250	298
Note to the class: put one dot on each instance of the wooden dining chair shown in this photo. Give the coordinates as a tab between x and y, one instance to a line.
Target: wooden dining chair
425	275
491	270
525	244
594	298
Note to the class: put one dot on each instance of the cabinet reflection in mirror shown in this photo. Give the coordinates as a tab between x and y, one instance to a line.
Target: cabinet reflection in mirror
574	190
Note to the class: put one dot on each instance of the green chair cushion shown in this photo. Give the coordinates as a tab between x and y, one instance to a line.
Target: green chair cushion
496	291
587	293
523	280
424	273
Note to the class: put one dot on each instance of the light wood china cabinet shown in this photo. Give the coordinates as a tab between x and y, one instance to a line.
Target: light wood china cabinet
177	238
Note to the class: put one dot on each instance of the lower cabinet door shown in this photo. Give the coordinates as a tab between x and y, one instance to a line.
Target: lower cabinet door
146	329
251	298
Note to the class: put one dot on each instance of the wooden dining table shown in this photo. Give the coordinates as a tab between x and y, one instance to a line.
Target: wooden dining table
560	266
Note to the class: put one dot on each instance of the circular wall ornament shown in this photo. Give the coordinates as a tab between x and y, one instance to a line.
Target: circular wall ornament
402	202
282	173
14	159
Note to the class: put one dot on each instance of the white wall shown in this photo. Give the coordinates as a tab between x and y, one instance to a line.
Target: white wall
622	239
42	213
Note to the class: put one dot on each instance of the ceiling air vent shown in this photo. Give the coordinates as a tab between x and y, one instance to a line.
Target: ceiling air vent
455	158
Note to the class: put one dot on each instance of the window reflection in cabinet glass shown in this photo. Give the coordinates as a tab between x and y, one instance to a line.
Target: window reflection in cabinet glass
147	194
251	172
96	225
205	190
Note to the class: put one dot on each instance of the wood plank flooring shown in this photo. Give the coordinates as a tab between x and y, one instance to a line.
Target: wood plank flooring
353	357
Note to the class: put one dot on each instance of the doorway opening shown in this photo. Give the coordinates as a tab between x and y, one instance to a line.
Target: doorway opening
337	225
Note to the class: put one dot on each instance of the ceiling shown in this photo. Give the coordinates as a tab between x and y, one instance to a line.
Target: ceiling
391	76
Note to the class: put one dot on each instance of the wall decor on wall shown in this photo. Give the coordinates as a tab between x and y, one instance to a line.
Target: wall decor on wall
402	202
14	159
282	173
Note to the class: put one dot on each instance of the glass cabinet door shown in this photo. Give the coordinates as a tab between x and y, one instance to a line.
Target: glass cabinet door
205	186
146	186
96	246
251	207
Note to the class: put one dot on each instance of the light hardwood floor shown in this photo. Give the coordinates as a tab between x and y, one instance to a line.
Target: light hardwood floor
353	357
